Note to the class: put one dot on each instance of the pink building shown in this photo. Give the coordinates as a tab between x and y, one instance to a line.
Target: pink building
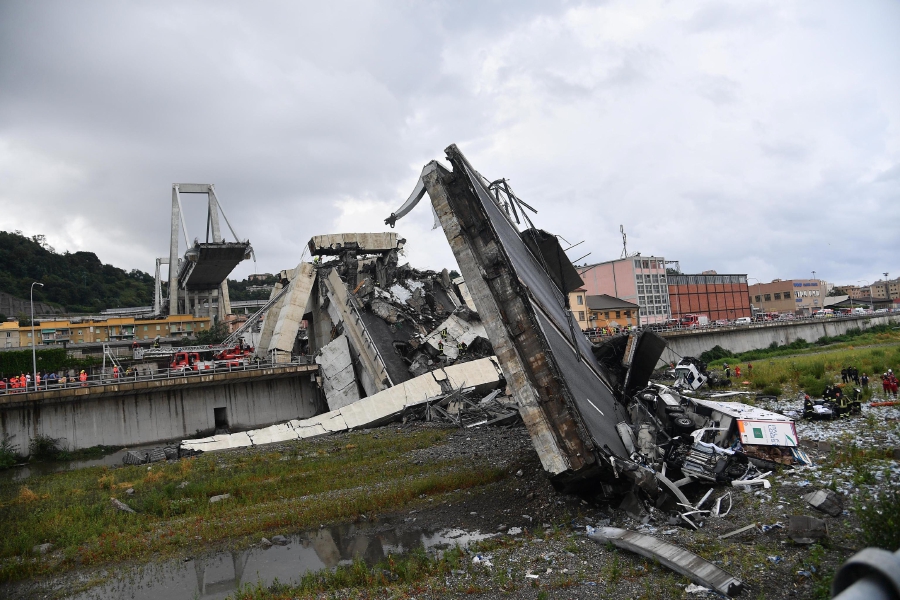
638	279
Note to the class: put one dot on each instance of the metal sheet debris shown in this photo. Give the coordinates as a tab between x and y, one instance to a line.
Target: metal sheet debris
678	559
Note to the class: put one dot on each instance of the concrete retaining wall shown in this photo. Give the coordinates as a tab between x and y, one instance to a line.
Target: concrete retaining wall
174	413
753	337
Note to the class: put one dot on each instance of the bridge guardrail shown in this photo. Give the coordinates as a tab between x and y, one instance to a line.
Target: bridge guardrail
102	379
600	333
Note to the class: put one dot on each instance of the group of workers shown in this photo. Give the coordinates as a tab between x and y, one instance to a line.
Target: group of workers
737	370
23	382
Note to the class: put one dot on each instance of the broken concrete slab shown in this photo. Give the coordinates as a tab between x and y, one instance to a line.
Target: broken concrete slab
333	244
338	378
567	405
481	376
806	530
268	325
827	501
446	339
681	561
290	313
118	504
343	309
463	291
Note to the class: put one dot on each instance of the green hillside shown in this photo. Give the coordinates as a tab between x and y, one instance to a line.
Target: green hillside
76	281
79	283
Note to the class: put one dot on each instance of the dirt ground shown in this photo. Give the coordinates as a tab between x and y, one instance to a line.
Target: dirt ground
540	549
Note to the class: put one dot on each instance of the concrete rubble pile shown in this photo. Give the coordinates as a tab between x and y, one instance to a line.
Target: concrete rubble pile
393	342
597	422
387	338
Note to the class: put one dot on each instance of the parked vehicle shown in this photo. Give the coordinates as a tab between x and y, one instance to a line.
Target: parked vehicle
692	321
202	359
823	312
721	323
743	321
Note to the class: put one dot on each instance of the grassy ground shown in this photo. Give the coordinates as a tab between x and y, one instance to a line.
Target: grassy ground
298	486
813	368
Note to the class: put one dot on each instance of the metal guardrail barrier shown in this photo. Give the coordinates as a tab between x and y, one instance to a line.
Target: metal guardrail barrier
98	380
600	333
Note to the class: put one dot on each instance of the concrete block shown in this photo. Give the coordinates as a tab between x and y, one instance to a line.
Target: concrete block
482	375
338	379
292	310
364	243
452	332
826	501
806	530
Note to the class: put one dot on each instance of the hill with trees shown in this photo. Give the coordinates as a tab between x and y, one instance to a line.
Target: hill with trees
75	281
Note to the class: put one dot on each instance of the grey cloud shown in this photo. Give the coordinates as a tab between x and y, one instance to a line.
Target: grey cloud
718	89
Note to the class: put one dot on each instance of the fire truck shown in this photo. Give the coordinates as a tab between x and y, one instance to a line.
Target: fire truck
203	358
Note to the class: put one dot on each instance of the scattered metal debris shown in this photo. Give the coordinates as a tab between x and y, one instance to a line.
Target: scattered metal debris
151	456
678	559
751	526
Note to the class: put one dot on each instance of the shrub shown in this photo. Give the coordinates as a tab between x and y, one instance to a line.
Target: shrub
715	353
8	454
773	389
44	447
879	519
812	385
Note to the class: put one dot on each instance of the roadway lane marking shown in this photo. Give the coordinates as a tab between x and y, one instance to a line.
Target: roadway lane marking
595	406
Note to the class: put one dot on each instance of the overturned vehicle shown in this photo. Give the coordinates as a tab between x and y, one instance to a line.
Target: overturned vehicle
595	419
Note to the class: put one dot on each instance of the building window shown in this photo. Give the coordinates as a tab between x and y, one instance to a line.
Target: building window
157	327
580	299
768	297
607	315
618	314
581	315
627	314
778	295
145	328
758	298
8	334
203	325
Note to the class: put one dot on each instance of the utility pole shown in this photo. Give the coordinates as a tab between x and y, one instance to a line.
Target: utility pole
33	340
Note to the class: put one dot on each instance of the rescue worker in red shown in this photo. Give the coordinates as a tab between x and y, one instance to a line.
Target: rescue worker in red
82	377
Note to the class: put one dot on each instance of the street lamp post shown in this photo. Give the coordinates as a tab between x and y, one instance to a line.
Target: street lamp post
33	339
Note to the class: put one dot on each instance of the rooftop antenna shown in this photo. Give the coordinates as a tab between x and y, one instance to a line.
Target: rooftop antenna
624	242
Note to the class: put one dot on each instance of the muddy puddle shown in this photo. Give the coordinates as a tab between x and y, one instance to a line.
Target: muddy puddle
220	575
113	459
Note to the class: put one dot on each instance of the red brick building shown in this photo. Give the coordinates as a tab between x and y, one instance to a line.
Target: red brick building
716	296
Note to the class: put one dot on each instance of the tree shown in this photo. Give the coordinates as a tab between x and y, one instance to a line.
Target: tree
212	336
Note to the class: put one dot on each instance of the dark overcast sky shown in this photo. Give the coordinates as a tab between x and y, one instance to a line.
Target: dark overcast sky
745	137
